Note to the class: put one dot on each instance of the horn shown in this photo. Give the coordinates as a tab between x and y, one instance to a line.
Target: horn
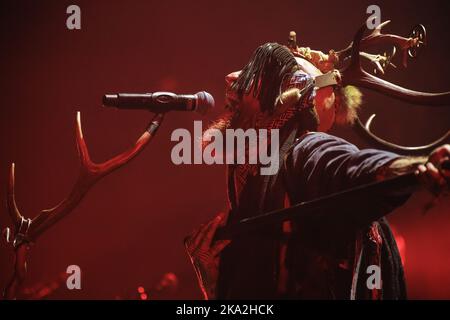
354	74
363	130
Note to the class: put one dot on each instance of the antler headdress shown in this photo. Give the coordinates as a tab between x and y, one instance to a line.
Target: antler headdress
354	74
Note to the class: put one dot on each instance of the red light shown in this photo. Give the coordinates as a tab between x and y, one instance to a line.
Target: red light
144	296
141	289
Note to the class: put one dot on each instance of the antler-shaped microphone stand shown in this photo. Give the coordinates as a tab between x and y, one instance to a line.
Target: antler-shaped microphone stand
26	230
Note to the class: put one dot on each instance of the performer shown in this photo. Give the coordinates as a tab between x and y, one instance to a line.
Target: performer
304	259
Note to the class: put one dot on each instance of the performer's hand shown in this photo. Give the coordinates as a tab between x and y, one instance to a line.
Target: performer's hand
204	254
432	175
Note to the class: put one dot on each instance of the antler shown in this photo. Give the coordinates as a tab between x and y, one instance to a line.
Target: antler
407	46
28	230
364	131
354	74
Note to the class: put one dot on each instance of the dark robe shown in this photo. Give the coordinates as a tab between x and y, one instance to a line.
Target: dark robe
317	258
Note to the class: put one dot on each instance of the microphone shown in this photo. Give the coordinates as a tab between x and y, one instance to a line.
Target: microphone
159	102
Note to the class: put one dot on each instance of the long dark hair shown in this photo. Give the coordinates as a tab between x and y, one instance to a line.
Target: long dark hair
269	65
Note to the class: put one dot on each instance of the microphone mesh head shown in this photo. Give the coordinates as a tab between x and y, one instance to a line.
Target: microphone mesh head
205	102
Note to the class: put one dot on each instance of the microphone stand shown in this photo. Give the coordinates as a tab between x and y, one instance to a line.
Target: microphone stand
25	231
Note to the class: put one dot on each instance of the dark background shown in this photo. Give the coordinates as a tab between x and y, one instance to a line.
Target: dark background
128	231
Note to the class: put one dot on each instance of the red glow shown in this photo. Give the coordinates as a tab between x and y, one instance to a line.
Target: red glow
144	296
151	204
